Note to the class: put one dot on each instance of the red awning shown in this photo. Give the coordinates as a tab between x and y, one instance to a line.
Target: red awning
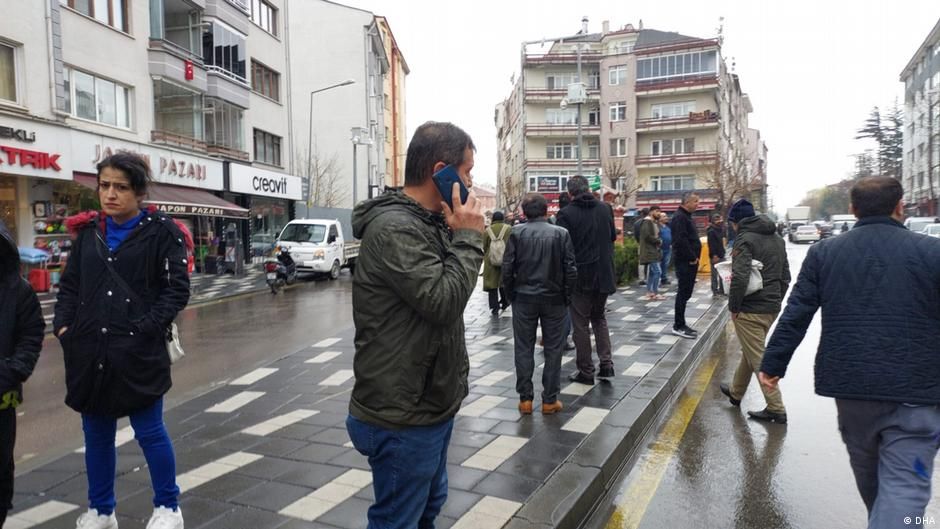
186	201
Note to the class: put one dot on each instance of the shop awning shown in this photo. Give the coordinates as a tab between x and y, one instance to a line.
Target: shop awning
186	201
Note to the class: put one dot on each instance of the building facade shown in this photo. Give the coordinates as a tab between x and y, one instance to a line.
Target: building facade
921	173
396	133
662	115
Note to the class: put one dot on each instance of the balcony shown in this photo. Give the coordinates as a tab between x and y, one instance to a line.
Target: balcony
670	200
695	120
560	130
689	159
535	59
551	95
226	152
170	139
699	83
543	163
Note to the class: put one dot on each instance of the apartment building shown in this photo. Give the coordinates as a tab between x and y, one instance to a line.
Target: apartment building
662	116
209	91
921	174
396	134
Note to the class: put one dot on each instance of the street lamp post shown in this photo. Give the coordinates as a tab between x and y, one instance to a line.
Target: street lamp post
310	137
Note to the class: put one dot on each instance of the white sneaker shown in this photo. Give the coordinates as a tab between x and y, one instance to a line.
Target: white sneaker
93	520
164	518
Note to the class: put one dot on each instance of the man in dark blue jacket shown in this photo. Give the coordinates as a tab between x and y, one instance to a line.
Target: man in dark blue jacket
879	290
686	248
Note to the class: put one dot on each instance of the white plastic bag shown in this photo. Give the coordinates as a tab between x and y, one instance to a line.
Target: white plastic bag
754	283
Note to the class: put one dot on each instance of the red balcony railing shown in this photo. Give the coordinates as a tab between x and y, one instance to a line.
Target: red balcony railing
689	158
706	117
555	129
669	84
177	140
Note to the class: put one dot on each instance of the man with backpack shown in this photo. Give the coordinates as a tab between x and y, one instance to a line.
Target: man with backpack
494	247
539	274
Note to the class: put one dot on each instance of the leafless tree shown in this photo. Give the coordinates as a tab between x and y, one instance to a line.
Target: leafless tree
514	191
731	178
321	172
621	178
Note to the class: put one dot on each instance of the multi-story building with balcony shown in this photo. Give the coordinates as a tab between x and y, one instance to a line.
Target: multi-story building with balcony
662	116
921	173
396	134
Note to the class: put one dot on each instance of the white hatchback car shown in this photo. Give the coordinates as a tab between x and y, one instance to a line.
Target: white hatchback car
805	234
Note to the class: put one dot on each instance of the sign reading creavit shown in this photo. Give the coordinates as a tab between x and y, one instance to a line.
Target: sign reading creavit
254	181
168	167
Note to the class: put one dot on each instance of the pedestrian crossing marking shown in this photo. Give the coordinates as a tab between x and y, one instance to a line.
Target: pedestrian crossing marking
323	357
337	378
488	513
327	342
494	454
481	406
322	500
492	378
586	420
39	514
254	376
282	421
492	340
215	469
236	401
638	369
122	437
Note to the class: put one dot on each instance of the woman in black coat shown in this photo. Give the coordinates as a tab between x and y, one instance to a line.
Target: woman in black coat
125	281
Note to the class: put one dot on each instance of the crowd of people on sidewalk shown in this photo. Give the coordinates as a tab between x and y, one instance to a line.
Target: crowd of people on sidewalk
878	287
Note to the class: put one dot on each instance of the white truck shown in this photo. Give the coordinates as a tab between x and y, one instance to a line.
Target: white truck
319	246
798	214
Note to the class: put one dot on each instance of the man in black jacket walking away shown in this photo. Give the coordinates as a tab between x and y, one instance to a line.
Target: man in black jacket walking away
539	276
686	248
878	286
716	252
21	331
592	230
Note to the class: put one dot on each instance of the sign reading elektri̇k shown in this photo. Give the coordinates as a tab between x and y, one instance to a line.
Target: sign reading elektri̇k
261	182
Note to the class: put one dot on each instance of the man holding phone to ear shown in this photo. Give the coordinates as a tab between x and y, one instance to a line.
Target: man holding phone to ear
421	252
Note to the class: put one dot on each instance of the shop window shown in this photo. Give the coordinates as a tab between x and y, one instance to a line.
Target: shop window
177	110
96	99
267	148
110	12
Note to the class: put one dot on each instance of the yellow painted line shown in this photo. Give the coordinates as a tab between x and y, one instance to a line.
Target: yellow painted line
632	505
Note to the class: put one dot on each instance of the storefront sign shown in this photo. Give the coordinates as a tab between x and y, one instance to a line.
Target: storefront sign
261	182
205	211
17	134
48	152
168	167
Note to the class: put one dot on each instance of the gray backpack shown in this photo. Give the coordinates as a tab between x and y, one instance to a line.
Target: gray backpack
497	246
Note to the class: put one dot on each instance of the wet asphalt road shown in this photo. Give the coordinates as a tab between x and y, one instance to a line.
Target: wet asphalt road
222	340
726	471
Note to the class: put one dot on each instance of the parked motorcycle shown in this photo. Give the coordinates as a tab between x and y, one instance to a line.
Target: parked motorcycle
280	270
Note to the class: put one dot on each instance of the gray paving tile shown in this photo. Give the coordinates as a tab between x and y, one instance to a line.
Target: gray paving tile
271	496
312	475
350	514
246	518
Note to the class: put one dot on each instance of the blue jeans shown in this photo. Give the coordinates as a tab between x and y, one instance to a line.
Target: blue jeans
652	282
409	472
664	264
101	457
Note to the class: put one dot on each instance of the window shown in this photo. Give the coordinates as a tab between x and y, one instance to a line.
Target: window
594	150
594	116
594	80
673	110
560	81
177	24
669	147
96	99
618	75
7	73
224	124
110	12
557	116
177	110
618	147
265	81
673	183
618	111
267	148
677	65
223	51
560	151
264	15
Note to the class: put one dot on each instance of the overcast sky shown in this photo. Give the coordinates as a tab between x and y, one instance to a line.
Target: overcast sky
813	69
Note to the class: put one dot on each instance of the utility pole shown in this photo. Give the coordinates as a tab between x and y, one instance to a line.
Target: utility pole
579	110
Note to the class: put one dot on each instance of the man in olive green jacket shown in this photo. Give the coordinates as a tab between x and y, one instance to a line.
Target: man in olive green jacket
753	314
417	267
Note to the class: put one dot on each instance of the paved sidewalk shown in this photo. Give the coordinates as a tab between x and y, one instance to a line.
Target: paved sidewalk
270	449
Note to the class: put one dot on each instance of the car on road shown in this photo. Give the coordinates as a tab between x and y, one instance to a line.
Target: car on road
807	233
932	230
917	224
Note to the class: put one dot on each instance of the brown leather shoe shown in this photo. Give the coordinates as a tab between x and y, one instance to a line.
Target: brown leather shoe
551	409
525	407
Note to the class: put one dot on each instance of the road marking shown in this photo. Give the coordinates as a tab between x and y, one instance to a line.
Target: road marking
491	340
492	378
638	369
586	420
488	513
631	505
38	515
282	421
481	406
252	377
215	469
626	350
326	343
122	437
323	357
237	401
338	378
494	454
317	503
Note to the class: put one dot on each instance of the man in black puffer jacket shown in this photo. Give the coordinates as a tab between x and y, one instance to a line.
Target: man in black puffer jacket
686	250
21	330
879	290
